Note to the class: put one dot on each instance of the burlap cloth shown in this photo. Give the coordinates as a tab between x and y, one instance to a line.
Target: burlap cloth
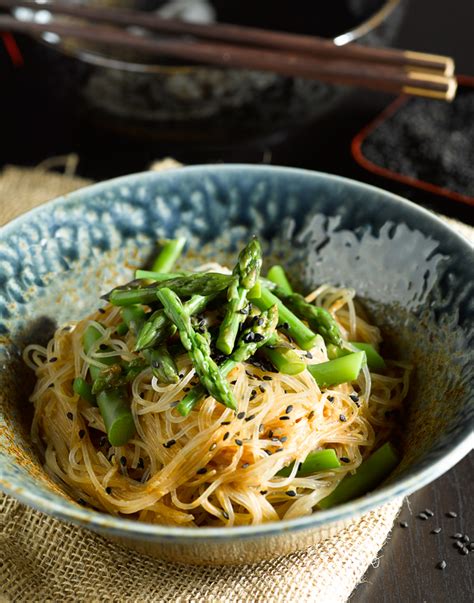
42	559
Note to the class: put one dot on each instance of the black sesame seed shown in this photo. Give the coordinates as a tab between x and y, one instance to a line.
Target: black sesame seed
51	385
464	551
263	492
245	465
290	493
101	310
141	463
53	359
342	418
283	439
186	389
471	546
261	388
403	524
422	516
269	452
226	435
81	501
201	471
270	434
225	514
103	441
267	378
258	337
311	415
70	416
249	337
309	355
82	433
457	535
169	443
288	409
261	428
441	565
123	461
155	364
225	422
436	531
429	512
233	382
285	325
345	459
213	447
451	514
465	538
241	415
181	375
331	398
251	418
238	442
108	490
278	450
284	418
354	397
458	545
253	395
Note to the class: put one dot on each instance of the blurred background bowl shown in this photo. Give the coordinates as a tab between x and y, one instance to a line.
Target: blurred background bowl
137	96
414	275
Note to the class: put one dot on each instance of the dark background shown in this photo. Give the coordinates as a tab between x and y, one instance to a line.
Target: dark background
406	570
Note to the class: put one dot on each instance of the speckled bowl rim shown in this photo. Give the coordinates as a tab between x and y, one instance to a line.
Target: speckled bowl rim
68	511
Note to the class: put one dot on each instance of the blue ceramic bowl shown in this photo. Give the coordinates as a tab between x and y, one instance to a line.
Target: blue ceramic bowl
413	272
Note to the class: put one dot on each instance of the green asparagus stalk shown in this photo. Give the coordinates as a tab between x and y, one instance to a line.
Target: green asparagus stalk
158	327
113	403
122	328
149	275
115	410
168	255
83	389
303	336
198	349
162	364
200	283
246	273
257	335
368	476
319	460
285	360
134	317
375	362
277	275
340	370
319	319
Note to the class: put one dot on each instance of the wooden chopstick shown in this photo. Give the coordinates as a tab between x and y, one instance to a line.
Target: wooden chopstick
236	34
388	78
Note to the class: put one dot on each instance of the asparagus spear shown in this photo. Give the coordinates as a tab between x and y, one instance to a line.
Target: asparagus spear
162	364
202	283
303	336
370	474
168	255
319	319
257	335
319	460
198	349
157	328
340	370
277	275
246	272
113	403
375	362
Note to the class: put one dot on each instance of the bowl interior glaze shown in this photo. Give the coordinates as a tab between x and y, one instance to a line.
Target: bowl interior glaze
413	273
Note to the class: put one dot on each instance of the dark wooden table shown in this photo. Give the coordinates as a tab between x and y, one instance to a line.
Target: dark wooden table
406	569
